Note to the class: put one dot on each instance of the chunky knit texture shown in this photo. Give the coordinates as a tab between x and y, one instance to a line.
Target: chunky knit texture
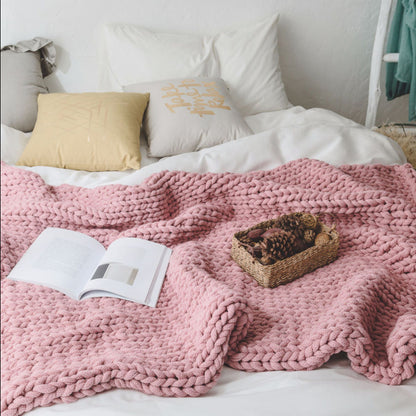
210	312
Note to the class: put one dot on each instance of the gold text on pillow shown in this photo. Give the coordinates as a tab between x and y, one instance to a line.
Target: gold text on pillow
200	98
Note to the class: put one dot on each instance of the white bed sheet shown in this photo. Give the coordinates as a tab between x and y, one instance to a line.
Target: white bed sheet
334	389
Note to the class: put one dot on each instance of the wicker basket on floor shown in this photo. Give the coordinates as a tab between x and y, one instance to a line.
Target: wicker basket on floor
405	136
286	270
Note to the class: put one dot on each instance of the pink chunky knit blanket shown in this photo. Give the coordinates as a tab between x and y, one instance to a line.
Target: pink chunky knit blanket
210	312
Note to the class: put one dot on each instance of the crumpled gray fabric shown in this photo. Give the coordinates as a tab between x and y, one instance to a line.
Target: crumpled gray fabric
44	46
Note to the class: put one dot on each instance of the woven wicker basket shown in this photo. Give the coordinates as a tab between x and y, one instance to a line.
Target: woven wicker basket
286	270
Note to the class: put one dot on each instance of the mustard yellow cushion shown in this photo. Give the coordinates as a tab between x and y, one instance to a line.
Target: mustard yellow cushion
87	131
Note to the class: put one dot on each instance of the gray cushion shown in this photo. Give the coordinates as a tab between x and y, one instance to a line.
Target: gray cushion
21	83
186	115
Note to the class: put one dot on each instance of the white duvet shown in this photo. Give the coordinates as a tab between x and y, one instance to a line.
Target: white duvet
332	390
280	137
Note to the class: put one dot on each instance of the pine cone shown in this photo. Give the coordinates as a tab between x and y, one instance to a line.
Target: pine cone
267	259
309	221
245	240
280	246
257	251
293	223
309	237
254	250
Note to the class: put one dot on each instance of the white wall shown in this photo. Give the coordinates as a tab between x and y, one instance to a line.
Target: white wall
325	45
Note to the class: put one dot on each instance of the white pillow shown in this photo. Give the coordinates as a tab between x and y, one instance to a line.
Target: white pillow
187	115
13	142
246	59
249	64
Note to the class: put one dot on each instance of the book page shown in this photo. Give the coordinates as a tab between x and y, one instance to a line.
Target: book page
129	270
60	259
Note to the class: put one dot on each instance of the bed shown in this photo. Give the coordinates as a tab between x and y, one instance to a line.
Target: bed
217	342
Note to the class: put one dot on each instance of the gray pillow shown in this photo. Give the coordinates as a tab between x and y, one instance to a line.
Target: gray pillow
186	115
21	83
23	67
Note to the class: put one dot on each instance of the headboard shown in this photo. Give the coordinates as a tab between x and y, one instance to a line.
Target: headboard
325	46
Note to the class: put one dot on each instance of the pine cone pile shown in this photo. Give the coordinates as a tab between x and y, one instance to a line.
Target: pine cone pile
286	236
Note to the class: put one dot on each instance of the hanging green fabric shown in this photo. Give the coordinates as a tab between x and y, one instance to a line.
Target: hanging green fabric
401	76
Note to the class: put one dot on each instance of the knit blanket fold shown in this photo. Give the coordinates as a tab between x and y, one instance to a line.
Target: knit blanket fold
211	313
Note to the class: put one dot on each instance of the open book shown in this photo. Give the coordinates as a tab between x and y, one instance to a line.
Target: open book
79	266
